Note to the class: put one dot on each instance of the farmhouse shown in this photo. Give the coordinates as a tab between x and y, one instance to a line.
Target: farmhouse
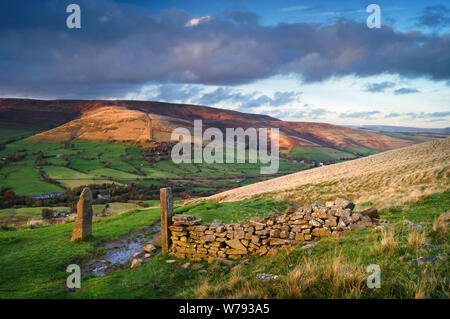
105	195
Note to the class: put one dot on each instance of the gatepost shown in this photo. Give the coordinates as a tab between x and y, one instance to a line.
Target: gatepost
166	204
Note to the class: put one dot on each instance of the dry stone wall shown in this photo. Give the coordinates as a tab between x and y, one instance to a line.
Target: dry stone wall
260	236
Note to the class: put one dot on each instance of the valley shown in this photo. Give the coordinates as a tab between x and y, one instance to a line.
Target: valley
57	146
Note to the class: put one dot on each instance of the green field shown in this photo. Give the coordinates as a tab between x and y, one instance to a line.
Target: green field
319	154
33	261
27	212
362	150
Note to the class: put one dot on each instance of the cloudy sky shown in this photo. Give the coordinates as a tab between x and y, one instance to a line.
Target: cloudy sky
294	60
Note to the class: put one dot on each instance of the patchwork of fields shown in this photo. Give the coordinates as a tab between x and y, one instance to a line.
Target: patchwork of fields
85	162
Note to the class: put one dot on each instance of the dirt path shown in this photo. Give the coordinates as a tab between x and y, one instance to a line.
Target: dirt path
121	252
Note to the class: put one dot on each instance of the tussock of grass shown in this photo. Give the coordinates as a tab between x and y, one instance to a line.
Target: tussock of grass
387	244
440	226
416	240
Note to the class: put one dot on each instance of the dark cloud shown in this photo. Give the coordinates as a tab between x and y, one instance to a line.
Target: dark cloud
359	115
379	87
242	17
434	17
221	95
405	91
187	93
246	101
124	44
176	93
306	112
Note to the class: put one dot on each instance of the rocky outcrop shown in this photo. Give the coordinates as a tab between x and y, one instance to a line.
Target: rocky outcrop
83	223
260	236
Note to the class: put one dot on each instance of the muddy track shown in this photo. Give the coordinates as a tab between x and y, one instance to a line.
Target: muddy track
119	254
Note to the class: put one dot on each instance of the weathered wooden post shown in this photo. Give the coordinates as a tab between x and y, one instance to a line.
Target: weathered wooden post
166	204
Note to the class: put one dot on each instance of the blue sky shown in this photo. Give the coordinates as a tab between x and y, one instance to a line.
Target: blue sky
295	60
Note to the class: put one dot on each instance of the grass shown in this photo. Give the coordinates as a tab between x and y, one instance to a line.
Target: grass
362	150
30	187
8	132
409	136
60	172
319	154
33	261
232	211
27	212
336	268
71	183
117	208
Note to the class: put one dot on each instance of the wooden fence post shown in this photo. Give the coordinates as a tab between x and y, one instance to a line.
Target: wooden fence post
166	204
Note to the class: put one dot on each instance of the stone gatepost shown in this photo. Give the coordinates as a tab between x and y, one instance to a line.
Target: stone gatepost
83	223
166	204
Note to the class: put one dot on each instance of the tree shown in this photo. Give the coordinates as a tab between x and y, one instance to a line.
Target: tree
10	194
37	203
47	213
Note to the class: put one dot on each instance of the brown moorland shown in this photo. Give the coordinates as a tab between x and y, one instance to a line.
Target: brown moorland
62	120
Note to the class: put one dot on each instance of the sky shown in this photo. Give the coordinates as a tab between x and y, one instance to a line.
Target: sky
294	60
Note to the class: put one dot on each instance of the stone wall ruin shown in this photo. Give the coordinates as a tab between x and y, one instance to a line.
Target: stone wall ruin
195	240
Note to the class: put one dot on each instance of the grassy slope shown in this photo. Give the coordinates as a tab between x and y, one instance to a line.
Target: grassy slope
32	261
8	132
408	137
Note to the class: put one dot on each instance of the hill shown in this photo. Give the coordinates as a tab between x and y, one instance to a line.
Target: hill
63	120
402	129
395	176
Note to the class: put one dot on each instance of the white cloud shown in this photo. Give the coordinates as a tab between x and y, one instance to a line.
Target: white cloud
196	21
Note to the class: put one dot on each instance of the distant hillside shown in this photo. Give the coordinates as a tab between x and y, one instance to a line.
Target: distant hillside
392	177
398	129
63	120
